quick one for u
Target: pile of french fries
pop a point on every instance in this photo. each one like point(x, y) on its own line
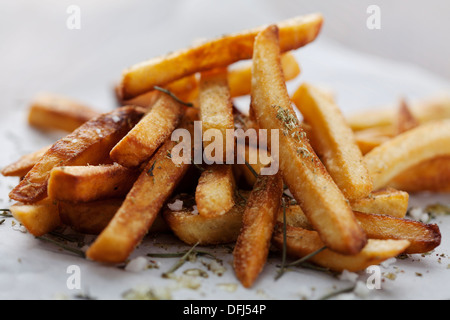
point(341, 191)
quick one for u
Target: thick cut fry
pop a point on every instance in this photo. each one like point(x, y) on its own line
point(430, 175)
point(303, 173)
point(89, 144)
point(240, 79)
point(301, 242)
point(335, 142)
point(140, 78)
point(389, 201)
point(21, 167)
point(216, 110)
point(371, 138)
point(141, 206)
point(191, 227)
point(405, 119)
point(39, 218)
point(260, 214)
point(92, 217)
point(89, 183)
point(50, 111)
point(154, 128)
point(214, 194)
point(425, 142)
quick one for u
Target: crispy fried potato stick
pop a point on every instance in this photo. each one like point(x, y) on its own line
point(389, 201)
point(425, 142)
point(301, 242)
point(260, 214)
point(405, 118)
point(216, 110)
point(430, 175)
point(21, 167)
point(38, 218)
point(221, 52)
point(90, 143)
point(335, 142)
point(89, 183)
point(191, 227)
point(153, 129)
point(142, 204)
point(214, 194)
point(49, 112)
point(371, 138)
point(240, 79)
point(303, 173)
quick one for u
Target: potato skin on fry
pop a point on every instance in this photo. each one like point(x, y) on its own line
point(260, 214)
point(90, 143)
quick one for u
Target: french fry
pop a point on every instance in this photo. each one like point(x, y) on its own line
point(142, 77)
point(50, 112)
point(153, 129)
point(405, 119)
point(430, 175)
point(251, 152)
point(240, 79)
point(216, 110)
point(303, 173)
point(89, 183)
point(301, 242)
point(38, 218)
point(142, 204)
point(371, 138)
point(191, 227)
point(258, 221)
point(389, 201)
point(425, 142)
point(92, 217)
point(335, 142)
point(89, 143)
point(21, 167)
point(214, 194)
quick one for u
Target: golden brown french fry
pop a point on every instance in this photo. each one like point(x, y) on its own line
point(90, 143)
point(21, 167)
point(301, 242)
point(303, 173)
point(430, 175)
point(216, 110)
point(389, 201)
point(371, 138)
point(140, 78)
point(142, 204)
point(240, 79)
point(50, 111)
point(422, 237)
point(38, 218)
point(191, 227)
point(258, 221)
point(251, 152)
point(92, 217)
point(89, 183)
point(153, 129)
point(425, 142)
point(405, 118)
point(214, 194)
point(335, 142)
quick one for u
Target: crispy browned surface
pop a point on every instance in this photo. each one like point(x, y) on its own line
point(301, 242)
point(89, 144)
point(89, 183)
point(422, 237)
point(260, 214)
point(38, 218)
point(429, 175)
point(141, 206)
point(221, 52)
point(303, 173)
point(216, 110)
point(405, 118)
point(50, 111)
point(153, 129)
point(191, 227)
point(334, 141)
point(21, 167)
point(389, 201)
point(214, 194)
